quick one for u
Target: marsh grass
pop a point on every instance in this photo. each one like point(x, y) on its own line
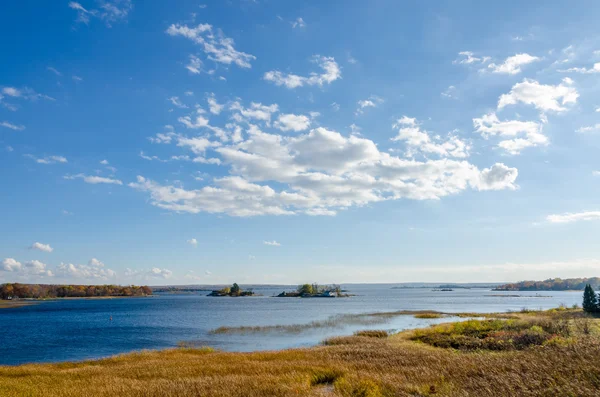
point(356, 366)
point(331, 322)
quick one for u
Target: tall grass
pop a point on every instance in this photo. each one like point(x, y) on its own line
point(362, 366)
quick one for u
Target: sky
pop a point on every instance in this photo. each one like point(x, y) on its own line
point(273, 142)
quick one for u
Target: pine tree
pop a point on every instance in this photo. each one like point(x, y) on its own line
point(590, 301)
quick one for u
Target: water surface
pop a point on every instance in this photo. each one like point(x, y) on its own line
point(67, 330)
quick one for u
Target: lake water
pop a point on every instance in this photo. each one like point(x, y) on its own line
point(68, 330)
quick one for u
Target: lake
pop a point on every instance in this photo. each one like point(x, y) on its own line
point(78, 329)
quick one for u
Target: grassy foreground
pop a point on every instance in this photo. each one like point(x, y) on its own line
point(554, 353)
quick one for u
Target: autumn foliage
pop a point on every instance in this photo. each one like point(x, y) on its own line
point(39, 291)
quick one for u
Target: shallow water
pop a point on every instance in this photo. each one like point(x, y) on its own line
point(68, 330)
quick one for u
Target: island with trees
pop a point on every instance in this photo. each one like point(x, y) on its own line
point(315, 291)
point(234, 291)
point(13, 291)
point(552, 284)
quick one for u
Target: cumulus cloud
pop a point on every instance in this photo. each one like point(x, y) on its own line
point(418, 140)
point(215, 45)
point(192, 241)
point(94, 270)
point(213, 105)
point(512, 65)
point(41, 247)
point(331, 73)
point(570, 217)
point(292, 122)
point(26, 269)
point(160, 273)
point(372, 102)
point(94, 179)
point(320, 172)
point(522, 134)
point(541, 96)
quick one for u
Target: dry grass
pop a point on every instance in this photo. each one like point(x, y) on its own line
point(361, 366)
point(429, 315)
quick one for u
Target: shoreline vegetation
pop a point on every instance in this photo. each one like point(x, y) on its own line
point(315, 291)
point(233, 291)
point(552, 284)
point(13, 295)
point(525, 353)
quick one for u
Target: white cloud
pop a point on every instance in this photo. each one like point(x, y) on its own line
point(109, 11)
point(272, 243)
point(94, 179)
point(77, 78)
point(468, 58)
point(512, 65)
point(542, 97)
point(592, 70)
point(321, 172)
point(41, 247)
point(11, 126)
point(192, 241)
point(177, 102)
point(418, 140)
point(489, 125)
point(215, 45)
point(27, 269)
point(335, 106)
point(53, 70)
point(195, 65)
point(372, 102)
point(292, 122)
point(156, 272)
point(298, 23)
point(256, 111)
point(104, 162)
point(569, 217)
point(11, 265)
point(596, 173)
point(94, 270)
point(49, 159)
point(590, 128)
point(194, 123)
point(331, 72)
point(213, 105)
point(450, 93)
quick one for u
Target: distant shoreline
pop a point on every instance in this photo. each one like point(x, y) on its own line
point(16, 303)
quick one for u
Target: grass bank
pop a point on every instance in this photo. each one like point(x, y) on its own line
point(563, 362)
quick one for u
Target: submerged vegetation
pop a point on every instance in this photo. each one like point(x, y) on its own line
point(42, 291)
point(366, 364)
point(234, 290)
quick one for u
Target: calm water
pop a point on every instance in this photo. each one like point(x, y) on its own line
point(81, 329)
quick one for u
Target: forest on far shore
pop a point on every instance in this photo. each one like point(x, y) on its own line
point(552, 284)
point(40, 291)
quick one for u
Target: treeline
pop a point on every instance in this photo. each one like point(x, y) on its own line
point(552, 284)
point(15, 291)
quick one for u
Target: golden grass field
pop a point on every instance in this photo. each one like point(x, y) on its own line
point(366, 364)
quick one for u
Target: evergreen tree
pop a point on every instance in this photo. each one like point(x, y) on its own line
point(590, 301)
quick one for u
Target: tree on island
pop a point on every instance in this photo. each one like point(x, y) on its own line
point(235, 289)
point(590, 300)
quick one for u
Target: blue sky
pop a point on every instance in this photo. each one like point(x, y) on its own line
point(286, 142)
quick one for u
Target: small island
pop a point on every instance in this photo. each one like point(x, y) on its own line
point(234, 290)
point(315, 291)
